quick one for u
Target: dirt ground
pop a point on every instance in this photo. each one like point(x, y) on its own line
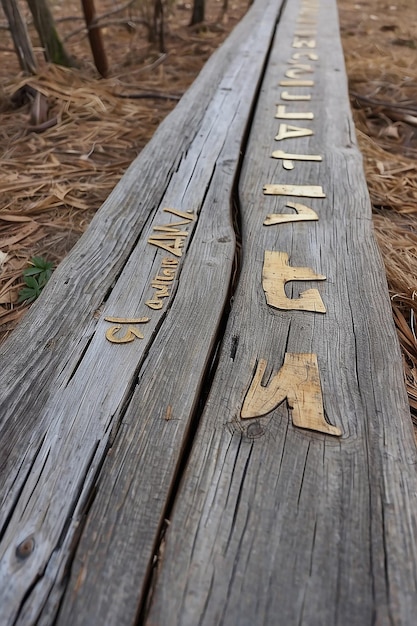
point(53, 180)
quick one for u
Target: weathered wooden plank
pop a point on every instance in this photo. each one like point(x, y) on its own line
point(56, 439)
point(274, 523)
point(51, 339)
point(53, 336)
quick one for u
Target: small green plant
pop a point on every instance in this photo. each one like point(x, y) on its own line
point(35, 279)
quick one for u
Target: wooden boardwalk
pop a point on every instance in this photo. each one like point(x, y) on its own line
point(203, 419)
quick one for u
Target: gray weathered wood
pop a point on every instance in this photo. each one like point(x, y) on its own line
point(273, 524)
point(67, 391)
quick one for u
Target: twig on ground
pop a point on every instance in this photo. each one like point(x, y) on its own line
point(150, 94)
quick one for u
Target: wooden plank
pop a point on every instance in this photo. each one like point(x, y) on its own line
point(53, 336)
point(156, 263)
point(274, 523)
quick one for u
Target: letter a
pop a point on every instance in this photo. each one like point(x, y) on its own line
point(298, 381)
point(286, 131)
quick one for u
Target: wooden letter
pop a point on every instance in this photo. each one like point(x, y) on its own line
point(312, 56)
point(303, 191)
point(189, 216)
point(170, 229)
point(298, 381)
point(310, 22)
point(155, 303)
point(286, 131)
point(303, 214)
point(130, 333)
point(172, 239)
point(296, 83)
point(298, 70)
point(287, 96)
point(282, 114)
point(161, 282)
point(168, 262)
point(311, 32)
point(300, 42)
point(163, 242)
point(287, 159)
point(277, 272)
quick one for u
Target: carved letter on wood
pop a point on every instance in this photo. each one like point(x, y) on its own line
point(287, 131)
point(303, 214)
point(282, 114)
point(130, 332)
point(303, 191)
point(298, 381)
point(310, 55)
point(299, 70)
point(287, 96)
point(172, 237)
point(296, 83)
point(287, 159)
point(277, 272)
point(300, 42)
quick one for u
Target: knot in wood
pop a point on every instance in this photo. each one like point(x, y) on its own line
point(255, 430)
point(25, 549)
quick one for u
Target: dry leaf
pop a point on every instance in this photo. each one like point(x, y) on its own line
point(3, 258)
point(391, 132)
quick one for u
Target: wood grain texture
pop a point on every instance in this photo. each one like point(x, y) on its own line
point(274, 524)
point(67, 391)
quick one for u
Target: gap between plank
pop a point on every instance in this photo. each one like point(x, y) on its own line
point(152, 570)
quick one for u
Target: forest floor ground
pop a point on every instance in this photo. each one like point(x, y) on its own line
point(53, 180)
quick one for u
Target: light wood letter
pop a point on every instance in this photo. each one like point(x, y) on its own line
point(277, 272)
point(303, 191)
point(298, 381)
point(303, 214)
point(286, 131)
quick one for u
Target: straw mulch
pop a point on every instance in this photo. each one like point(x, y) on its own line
point(53, 179)
point(51, 182)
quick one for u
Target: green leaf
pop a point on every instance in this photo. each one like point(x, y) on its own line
point(26, 294)
point(32, 271)
point(43, 278)
point(41, 263)
point(35, 279)
point(31, 282)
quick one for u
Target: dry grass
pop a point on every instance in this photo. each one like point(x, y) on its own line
point(51, 182)
point(53, 179)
